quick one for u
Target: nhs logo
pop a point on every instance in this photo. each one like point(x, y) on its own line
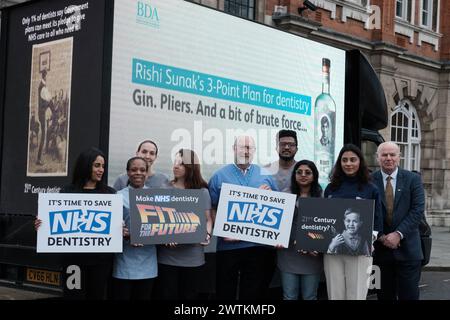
point(250, 212)
point(163, 198)
point(77, 221)
point(147, 14)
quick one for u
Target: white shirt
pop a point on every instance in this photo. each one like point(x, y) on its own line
point(393, 180)
point(394, 185)
point(45, 94)
point(244, 171)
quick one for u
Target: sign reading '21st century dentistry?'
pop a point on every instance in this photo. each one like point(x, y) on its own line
point(254, 215)
point(200, 77)
point(80, 223)
point(335, 226)
point(167, 215)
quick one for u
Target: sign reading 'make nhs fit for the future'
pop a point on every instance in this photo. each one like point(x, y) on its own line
point(254, 215)
point(168, 215)
point(80, 223)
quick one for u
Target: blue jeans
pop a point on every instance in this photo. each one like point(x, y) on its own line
point(292, 282)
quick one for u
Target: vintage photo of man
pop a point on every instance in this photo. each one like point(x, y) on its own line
point(49, 115)
point(325, 129)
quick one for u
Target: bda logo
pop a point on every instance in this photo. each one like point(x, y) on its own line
point(75, 221)
point(147, 14)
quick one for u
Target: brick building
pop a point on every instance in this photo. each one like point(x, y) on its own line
point(408, 44)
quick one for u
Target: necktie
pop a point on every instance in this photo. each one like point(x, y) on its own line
point(389, 193)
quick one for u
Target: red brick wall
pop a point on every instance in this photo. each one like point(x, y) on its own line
point(386, 33)
point(445, 30)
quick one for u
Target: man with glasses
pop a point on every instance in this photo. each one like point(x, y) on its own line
point(242, 265)
point(281, 169)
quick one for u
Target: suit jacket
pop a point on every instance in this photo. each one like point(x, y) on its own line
point(409, 206)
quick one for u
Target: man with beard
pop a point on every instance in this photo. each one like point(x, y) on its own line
point(242, 265)
point(281, 170)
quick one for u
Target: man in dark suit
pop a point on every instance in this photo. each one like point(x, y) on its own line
point(398, 252)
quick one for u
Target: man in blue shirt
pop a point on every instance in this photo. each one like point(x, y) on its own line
point(240, 264)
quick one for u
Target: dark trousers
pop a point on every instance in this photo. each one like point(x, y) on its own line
point(94, 282)
point(41, 116)
point(399, 280)
point(132, 289)
point(244, 274)
point(178, 282)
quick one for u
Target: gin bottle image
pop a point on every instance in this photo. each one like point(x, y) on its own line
point(324, 127)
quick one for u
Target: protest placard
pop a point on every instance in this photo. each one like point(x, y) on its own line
point(335, 226)
point(167, 216)
point(255, 215)
point(79, 222)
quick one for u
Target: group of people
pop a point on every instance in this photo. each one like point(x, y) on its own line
point(399, 207)
point(244, 270)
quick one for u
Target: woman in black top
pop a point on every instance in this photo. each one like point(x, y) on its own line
point(88, 177)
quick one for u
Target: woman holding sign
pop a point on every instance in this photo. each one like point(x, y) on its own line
point(135, 268)
point(95, 268)
point(180, 264)
point(347, 275)
point(301, 269)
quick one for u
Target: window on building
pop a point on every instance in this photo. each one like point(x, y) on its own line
point(405, 131)
point(241, 8)
point(429, 11)
point(403, 9)
point(362, 3)
point(426, 13)
point(369, 150)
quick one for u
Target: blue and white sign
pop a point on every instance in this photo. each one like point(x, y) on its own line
point(80, 223)
point(255, 215)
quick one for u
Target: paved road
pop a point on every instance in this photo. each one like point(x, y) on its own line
point(435, 285)
point(7, 293)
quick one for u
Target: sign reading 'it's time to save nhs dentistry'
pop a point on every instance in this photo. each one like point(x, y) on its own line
point(80, 222)
point(255, 215)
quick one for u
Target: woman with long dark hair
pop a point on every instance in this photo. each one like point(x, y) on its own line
point(88, 177)
point(88, 174)
point(347, 275)
point(301, 269)
point(180, 264)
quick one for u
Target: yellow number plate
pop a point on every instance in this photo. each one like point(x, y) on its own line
point(43, 276)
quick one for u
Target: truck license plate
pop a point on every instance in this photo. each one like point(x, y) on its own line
point(43, 276)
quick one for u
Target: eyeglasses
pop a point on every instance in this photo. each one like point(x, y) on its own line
point(287, 144)
point(244, 148)
point(306, 172)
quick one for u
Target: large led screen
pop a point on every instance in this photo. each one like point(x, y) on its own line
point(187, 76)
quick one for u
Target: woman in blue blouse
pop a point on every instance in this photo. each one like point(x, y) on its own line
point(347, 275)
point(135, 268)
